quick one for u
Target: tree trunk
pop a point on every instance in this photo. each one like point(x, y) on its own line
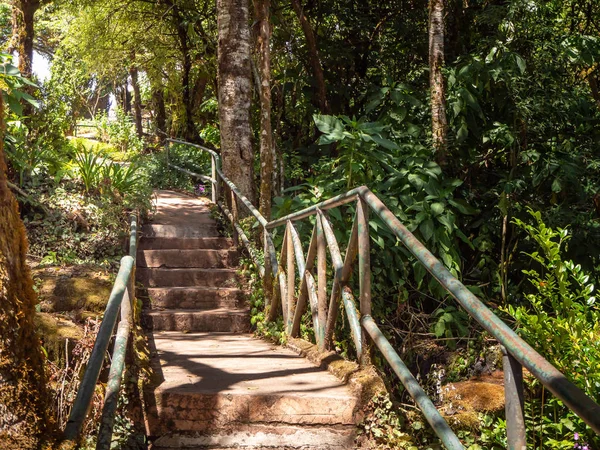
point(190, 132)
point(160, 115)
point(313, 57)
point(23, 408)
point(593, 82)
point(137, 101)
point(23, 13)
point(262, 11)
point(439, 123)
point(23, 31)
point(235, 90)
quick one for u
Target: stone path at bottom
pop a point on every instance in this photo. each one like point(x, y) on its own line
point(215, 385)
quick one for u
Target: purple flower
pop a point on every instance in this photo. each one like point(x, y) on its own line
point(585, 447)
point(576, 436)
point(200, 189)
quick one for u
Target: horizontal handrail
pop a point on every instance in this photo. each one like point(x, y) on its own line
point(518, 351)
point(122, 288)
point(435, 419)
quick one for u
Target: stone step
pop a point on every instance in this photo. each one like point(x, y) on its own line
point(150, 277)
point(196, 297)
point(179, 231)
point(221, 381)
point(214, 320)
point(261, 436)
point(171, 258)
point(196, 215)
point(206, 243)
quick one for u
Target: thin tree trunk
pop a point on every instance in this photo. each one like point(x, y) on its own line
point(190, 132)
point(439, 123)
point(22, 17)
point(313, 56)
point(137, 101)
point(262, 11)
point(160, 115)
point(593, 82)
point(235, 90)
point(23, 408)
point(23, 28)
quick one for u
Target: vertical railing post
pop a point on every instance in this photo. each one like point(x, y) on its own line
point(215, 186)
point(234, 212)
point(514, 402)
point(268, 277)
point(321, 284)
point(364, 271)
point(291, 279)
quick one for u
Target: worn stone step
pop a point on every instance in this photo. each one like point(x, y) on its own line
point(206, 243)
point(193, 214)
point(179, 231)
point(220, 381)
point(196, 297)
point(263, 436)
point(200, 258)
point(214, 320)
point(150, 277)
point(176, 208)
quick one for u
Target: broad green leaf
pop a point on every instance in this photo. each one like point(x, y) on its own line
point(426, 228)
point(437, 208)
point(385, 143)
point(520, 63)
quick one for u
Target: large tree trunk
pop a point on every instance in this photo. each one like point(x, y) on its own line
point(313, 57)
point(137, 101)
point(235, 90)
point(263, 39)
point(23, 409)
point(439, 123)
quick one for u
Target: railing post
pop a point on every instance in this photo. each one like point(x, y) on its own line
point(291, 280)
point(215, 186)
point(364, 271)
point(321, 283)
point(514, 402)
point(234, 213)
point(268, 277)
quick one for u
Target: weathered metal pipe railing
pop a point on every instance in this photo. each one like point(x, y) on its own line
point(121, 298)
point(312, 293)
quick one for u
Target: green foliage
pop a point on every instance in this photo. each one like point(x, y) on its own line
point(559, 318)
point(77, 228)
point(120, 132)
point(450, 322)
point(384, 426)
point(360, 160)
point(90, 166)
point(124, 178)
point(273, 331)
point(13, 85)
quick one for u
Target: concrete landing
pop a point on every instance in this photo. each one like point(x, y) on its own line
point(216, 386)
point(212, 381)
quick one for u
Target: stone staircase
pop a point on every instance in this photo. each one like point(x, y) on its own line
point(215, 385)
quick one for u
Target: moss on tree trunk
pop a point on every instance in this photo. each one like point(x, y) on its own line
point(23, 413)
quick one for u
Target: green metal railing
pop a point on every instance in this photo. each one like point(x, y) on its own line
point(121, 298)
point(282, 291)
